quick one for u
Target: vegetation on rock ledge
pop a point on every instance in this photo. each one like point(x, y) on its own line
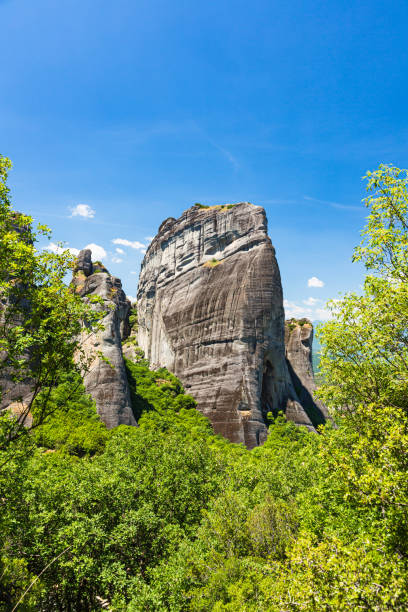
point(214, 206)
point(292, 323)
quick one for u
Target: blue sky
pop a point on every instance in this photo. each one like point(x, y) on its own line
point(137, 109)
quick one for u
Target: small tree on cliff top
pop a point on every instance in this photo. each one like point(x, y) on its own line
point(41, 319)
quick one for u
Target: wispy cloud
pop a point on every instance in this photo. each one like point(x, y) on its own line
point(333, 204)
point(279, 201)
point(138, 135)
point(311, 301)
point(299, 311)
point(129, 243)
point(227, 154)
point(322, 314)
point(296, 311)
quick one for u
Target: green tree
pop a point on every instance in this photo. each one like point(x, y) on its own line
point(365, 347)
point(365, 367)
point(42, 320)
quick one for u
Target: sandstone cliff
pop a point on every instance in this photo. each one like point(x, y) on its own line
point(106, 382)
point(210, 309)
point(298, 343)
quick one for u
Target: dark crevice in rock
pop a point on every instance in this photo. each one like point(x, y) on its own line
point(314, 413)
point(298, 342)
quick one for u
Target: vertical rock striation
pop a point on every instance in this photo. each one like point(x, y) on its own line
point(298, 343)
point(106, 382)
point(210, 309)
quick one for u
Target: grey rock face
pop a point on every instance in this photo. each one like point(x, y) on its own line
point(298, 343)
point(210, 309)
point(84, 263)
point(130, 348)
point(105, 382)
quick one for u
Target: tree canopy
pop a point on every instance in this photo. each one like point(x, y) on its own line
point(169, 516)
point(41, 319)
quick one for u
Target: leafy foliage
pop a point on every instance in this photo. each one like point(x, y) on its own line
point(169, 516)
point(73, 425)
point(41, 319)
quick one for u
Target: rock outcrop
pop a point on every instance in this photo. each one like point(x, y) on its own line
point(106, 381)
point(298, 343)
point(210, 309)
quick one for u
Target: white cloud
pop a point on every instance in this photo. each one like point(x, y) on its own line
point(143, 251)
point(120, 251)
point(149, 238)
point(299, 311)
point(116, 259)
point(131, 298)
point(311, 301)
point(296, 311)
point(133, 245)
point(55, 248)
point(315, 282)
point(98, 252)
point(83, 210)
point(321, 314)
point(133, 272)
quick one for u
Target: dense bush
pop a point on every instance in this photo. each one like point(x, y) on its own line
point(168, 516)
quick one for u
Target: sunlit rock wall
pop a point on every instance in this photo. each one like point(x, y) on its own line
point(210, 309)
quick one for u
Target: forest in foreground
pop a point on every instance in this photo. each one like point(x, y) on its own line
point(168, 516)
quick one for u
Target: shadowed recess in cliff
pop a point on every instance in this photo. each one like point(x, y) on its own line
point(298, 342)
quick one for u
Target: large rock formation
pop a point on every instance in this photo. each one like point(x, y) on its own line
point(210, 309)
point(105, 381)
point(298, 343)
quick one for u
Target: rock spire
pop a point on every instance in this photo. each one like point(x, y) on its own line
point(298, 343)
point(106, 381)
point(210, 309)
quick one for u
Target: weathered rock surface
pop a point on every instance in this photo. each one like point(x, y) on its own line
point(106, 382)
point(298, 343)
point(210, 309)
point(130, 347)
